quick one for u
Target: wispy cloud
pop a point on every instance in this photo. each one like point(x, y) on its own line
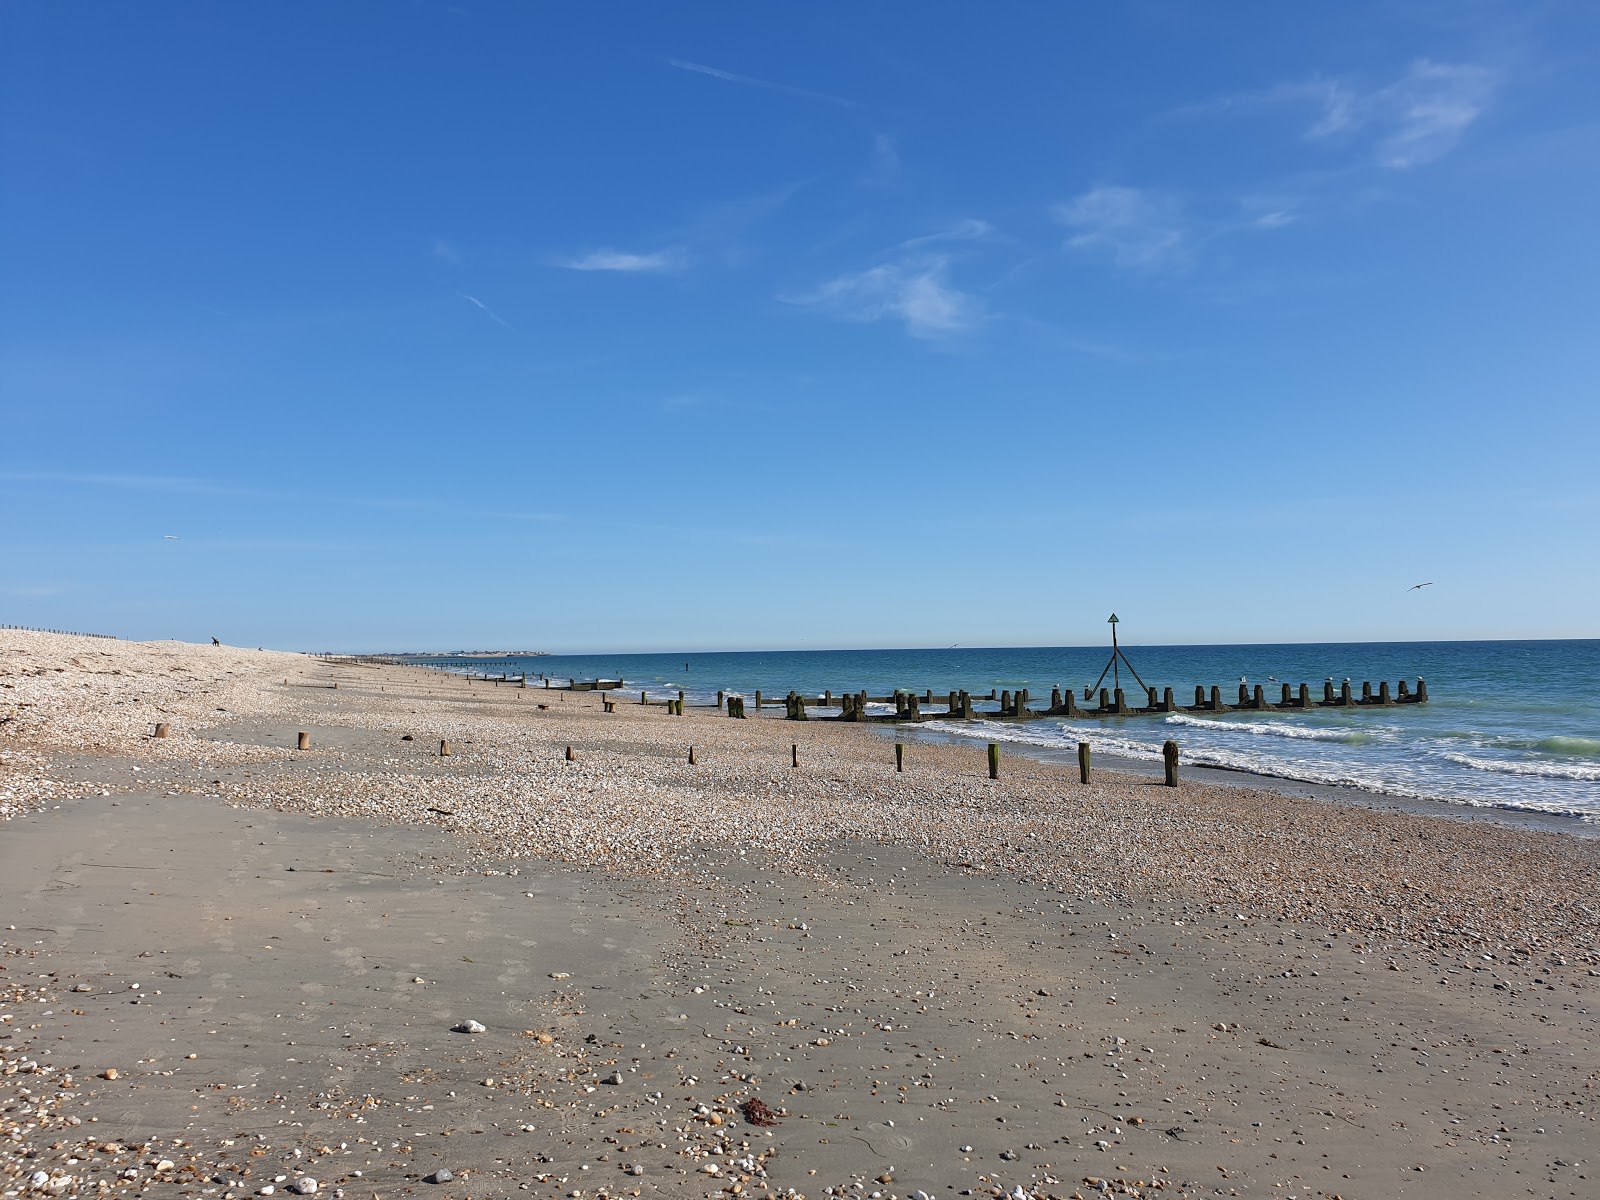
point(915, 291)
point(885, 167)
point(1415, 119)
point(671, 259)
point(486, 310)
point(969, 229)
point(751, 81)
point(445, 252)
point(1137, 228)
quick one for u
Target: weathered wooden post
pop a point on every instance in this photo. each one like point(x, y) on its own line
point(899, 756)
point(162, 731)
point(758, 701)
point(1199, 696)
point(953, 702)
point(304, 741)
point(1150, 697)
point(1383, 692)
point(1344, 693)
point(913, 707)
point(1167, 702)
point(899, 704)
point(1402, 690)
point(1366, 691)
point(1169, 755)
point(1259, 699)
point(1244, 693)
point(1083, 762)
point(1119, 702)
point(1021, 699)
point(719, 701)
point(444, 748)
point(1286, 701)
point(1105, 700)
point(691, 756)
point(966, 705)
point(827, 698)
point(1216, 699)
point(1327, 692)
point(680, 702)
point(571, 757)
point(794, 754)
point(1005, 704)
point(1422, 690)
point(1305, 696)
point(994, 760)
point(1055, 698)
point(1069, 705)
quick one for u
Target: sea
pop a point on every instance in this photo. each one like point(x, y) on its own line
point(1512, 726)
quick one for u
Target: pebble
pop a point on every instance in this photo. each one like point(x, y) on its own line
point(82, 987)
point(442, 1175)
point(110, 1073)
point(614, 1078)
point(303, 1187)
point(469, 1027)
point(634, 1169)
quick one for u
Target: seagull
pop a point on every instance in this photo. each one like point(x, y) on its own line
point(171, 537)
point(1415, 586)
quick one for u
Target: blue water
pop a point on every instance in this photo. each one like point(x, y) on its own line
point(1509, 725)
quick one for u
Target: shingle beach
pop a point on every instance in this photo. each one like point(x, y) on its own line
point(236, 968)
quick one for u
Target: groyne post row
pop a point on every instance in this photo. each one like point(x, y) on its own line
point(111, 637)
point(1113, 702)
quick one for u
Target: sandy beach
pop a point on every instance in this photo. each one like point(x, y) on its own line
point(231, 966)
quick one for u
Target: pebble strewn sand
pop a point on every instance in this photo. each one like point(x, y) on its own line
point(1419, 896)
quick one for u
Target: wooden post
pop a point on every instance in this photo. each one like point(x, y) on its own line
point(827, 698)
point(1083, 762)
point(1402, 690)
point(1260, 698)
point(794, 754)
point(1167, 702)
point(304, 742)
point(1005, 704)
point(913, 707)
point(994, 760)
point(161, 730)
point(1119, 703)
point(571, 757)
point(1151, 701)
point(644, 698)
point(1216, 699)
point(1305, 696)
point(691, 756)
point(1344, 693)
point(1422, 690)
point(1383, 692)
point(1199, 696)
point(444, 749)
point(1285, 701)
point(1105, 700)
point(899, 756)
point(719, 701)
point(1366, 691)
point(1244, 693)
point(1169, 753)
point(1327, 692)
point(758, 701)
point(1055, 698)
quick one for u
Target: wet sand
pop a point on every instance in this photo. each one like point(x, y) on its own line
point(934, 981)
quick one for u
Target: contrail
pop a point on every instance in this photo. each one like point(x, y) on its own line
point(750, 81)
point(492, 315)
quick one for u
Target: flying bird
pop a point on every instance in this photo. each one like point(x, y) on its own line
point(171, 537)
point(1415, 586)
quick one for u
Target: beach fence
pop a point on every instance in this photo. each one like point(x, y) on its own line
point(63, 632)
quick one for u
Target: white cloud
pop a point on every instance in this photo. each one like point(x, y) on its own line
point(970, 229)
point(617, 260)
point(1139, 229)
point(885, 162)
point(914, 291)
point(1418, 118)
point(1428, 110)
point(446, 253)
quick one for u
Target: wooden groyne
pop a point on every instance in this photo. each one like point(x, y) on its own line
point(1113, 702)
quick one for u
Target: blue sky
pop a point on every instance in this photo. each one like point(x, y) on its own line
point(643, 326)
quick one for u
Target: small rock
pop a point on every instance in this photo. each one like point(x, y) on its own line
point(560, 974)
point(166, 1164)
point(634, 1169)
point(39, 1179)
point(82, 987)
point(110, 1073)
point(614, 1078)
point(469, 1027)
point(418, 980)
point(442, 1175)
point(919, 1194)
point(1009, 1155)
point(303, 1187)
